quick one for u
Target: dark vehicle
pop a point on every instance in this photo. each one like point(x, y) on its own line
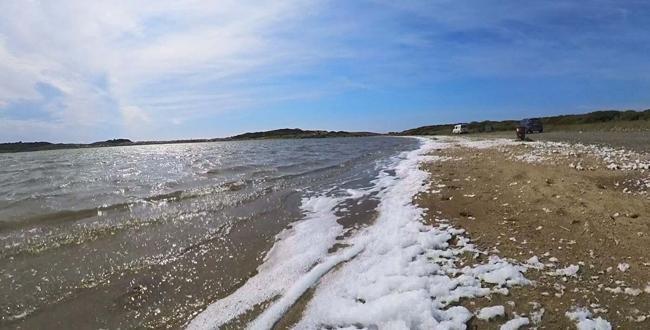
point(533, 125)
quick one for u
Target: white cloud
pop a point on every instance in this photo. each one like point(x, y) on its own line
point(134, 118)
point(142, 59)
point(19, 77)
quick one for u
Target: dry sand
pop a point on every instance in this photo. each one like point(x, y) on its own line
point(588, 217)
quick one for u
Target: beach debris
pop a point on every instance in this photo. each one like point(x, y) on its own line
point(489, 313)
point(536, 315)
point(623, 266)
point(534, 262)
point(632, 292)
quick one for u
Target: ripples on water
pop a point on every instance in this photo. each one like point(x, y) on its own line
point(149, 235)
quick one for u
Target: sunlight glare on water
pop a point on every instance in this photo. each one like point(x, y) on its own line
point(149, 235)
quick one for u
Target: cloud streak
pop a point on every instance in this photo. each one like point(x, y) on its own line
point(112, 59)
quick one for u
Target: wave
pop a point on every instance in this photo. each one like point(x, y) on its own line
point(93, 226)
point(56, 217)
point(237, 169)
point(62, 216)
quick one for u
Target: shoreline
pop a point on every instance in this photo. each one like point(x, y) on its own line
point(281, 134)
point(457, 229)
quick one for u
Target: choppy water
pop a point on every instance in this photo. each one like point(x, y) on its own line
point(148, 236)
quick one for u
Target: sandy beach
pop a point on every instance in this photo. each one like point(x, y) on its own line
point(575, 216)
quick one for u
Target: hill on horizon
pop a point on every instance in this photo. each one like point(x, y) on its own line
point(297, 133)
point(597, 120)
point(283, 133)
point(606, 119)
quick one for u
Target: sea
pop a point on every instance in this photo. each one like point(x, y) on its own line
point(204, 235)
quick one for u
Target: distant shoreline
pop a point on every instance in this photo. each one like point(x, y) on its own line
point(611, 120)
point(286, 133)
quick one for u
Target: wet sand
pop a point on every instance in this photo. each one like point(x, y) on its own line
point(588, 217)
point(166, 293)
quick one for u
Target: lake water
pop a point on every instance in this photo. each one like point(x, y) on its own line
point(149, 236)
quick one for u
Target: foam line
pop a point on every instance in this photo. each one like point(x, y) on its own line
point(273, 314)
point(296, 250)
point(287, 269)
point(407, 276)
point(398, 273)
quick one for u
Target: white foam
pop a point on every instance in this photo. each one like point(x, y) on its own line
point(270, 316)
point(571, 270)
point(534, 262)
point(515, 323)
point(488, 313)
point(296, 261)
point(500, 272)
point(406, 276)
point(584, 320)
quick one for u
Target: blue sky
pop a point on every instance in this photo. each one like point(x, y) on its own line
point(81, 71)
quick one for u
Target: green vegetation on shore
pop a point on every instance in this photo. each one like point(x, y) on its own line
point(600, 120)
point(296, 133)
point(36, 146)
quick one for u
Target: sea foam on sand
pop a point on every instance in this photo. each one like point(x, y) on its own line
point(487, 313)
point(585, 321)
point(397, 273)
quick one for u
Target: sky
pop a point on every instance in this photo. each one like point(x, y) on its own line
point(83, 71)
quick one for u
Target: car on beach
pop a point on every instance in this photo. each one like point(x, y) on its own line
point(532, 125)
point(460, 129)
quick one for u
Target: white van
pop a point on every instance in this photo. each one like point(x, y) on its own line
point(460, 129)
